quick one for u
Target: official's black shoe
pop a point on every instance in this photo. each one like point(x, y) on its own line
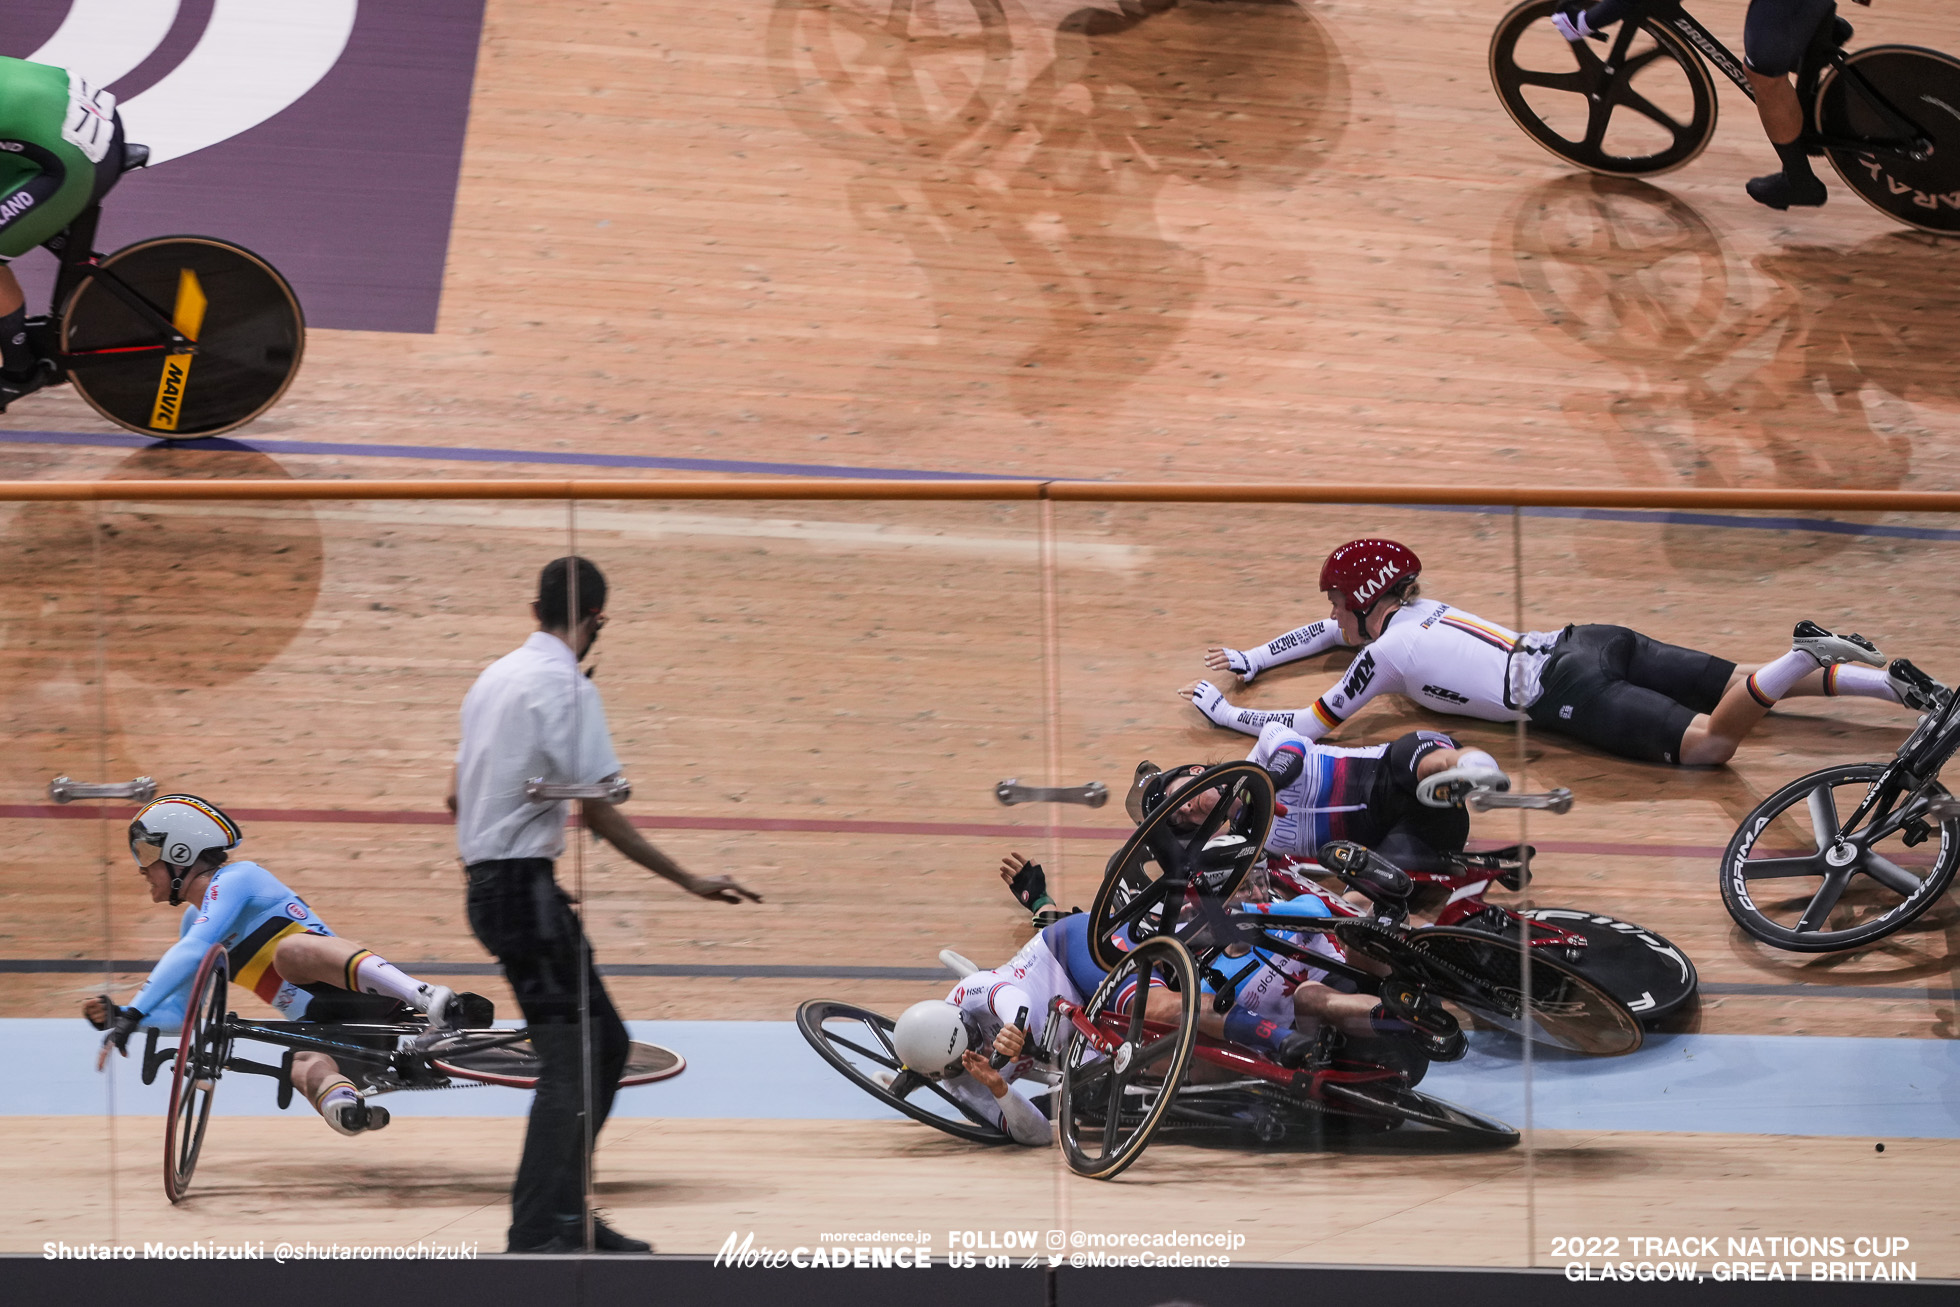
point(1779, 190)
point(569, 1238)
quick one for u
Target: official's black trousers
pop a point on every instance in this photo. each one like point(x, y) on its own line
point(522, 917)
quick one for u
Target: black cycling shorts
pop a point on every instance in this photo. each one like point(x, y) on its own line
point(1620, 691)
point(1397, 825)
point(1777, 32)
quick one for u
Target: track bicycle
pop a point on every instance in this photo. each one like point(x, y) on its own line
point(1887, 116)
point(176, 337)
point(383, 1047)
point(1864, 875)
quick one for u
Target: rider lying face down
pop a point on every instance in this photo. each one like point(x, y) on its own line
point(278, 948)
point(1607, 686)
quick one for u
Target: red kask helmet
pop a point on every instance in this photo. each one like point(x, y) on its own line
point(1364, 571)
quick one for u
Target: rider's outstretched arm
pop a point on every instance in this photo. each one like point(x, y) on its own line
point(1301, 642)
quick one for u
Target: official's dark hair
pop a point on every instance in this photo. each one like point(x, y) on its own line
point(555, 591)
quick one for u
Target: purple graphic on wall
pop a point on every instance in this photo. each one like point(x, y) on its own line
point(348, 189)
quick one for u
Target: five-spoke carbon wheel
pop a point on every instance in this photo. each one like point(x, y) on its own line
point(1642, 103)
point(1792, 880)
point(1202, 839)
point(202, 1048)
point(858, 1042)
point(1117, 1090)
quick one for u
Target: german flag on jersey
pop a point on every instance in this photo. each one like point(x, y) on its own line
point(251, 957)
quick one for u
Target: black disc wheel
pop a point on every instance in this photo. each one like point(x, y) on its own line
point(858, 1043)
point(245, 324)
point(1793, 880)
point(1118, 1087)
point(1640, 104)
point(1485, 974)
point(1391, 1100)
point(1200, 841)
point(1920, 94)
point(1635, 965)
point(202, 1049)
point(506, 1057)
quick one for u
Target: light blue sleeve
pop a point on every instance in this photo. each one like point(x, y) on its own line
point(231, 892)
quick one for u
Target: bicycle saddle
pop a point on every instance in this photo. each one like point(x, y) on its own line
point(135, 156)
point(1366, 870)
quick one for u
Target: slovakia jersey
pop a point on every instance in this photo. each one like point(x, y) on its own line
point(246, 909)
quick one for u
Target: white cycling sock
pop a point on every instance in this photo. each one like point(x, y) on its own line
point(371, 974)
point(1773, 680)
point(1860, 682)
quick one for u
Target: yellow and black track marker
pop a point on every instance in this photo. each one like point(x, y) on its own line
point(188, 319)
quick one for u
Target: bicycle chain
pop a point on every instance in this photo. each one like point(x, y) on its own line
point(1400, 953)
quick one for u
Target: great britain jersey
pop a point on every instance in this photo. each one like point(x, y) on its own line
point(248, 910)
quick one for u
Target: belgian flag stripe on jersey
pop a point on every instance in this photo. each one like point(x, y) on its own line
point(251, 957)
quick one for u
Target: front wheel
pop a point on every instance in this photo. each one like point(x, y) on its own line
point(857, 1043)
point(1117, 1089)
point(1642, 104)
point(1792, 881)
point(242, 316)
point(1923, 85)
point(202, 1049)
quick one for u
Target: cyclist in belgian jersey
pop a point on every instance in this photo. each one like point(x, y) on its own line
point(1611, 687)
point(61, 149)
point(1775, 34)
point(277, 945)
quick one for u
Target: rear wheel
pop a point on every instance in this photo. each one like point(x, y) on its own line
point(1565, 1009)
point(491, 1057)
point(245, 321)
point(1118, 1089)
point(1635, 965)
point(858, 1043)
point(202, 1049)
point(1922, 84)
point(1634, 107)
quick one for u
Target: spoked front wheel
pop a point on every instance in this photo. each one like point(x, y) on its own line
point(1792, 881)
point(1198, 842)
point(1640, 104)
point(858, 1043)
point(1117, 1089)
point(242, 318)
point(1923, 85)
point(201, 1052)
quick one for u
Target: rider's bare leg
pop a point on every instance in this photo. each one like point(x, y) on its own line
point(333, 960)
point(11, 297)
point(1776, 105)
point(1353, 1013)
point(1782, 115)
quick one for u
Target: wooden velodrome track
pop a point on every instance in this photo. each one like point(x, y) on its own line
point(1217, 242)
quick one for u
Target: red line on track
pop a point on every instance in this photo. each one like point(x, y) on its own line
point(841, 826)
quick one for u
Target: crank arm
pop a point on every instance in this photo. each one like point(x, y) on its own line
point(1559, 800)
point(1092, 795)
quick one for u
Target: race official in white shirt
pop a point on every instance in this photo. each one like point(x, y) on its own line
point(530, 715)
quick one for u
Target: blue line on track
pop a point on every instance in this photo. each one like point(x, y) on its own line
point(455, 454)
point(762, 1070)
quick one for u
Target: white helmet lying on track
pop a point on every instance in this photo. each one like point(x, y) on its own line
point(930, 1038)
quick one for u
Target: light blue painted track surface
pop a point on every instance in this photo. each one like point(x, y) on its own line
point(762, 1070)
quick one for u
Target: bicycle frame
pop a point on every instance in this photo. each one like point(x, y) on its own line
point(1824, 50)
point(1913, 770)
point(80, 264)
